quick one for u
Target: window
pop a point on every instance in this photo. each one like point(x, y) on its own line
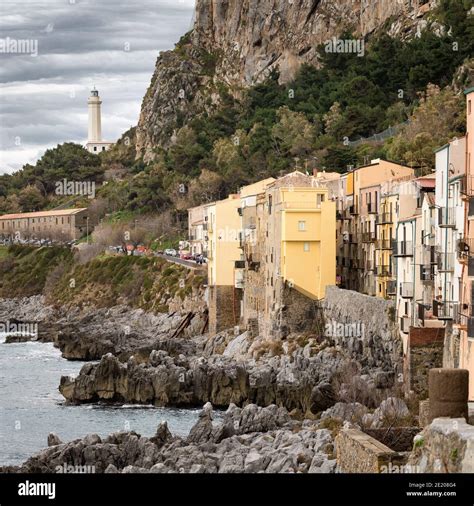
point(306, 247)
point(95, 148)
point(103, 148)
point(302, 226)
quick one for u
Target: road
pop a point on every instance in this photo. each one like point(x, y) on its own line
point(187, 263)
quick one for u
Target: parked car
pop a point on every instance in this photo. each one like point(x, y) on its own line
point(171, 252)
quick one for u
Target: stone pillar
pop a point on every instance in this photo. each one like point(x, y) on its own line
point(448, 391)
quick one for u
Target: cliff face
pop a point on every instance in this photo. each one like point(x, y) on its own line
point(238, 43)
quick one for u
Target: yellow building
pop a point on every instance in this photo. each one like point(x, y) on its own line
point(308, 240)
point(386, 227)
point(222, 225)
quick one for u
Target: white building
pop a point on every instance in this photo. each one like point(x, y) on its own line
point(95, 144)
point(450, 168)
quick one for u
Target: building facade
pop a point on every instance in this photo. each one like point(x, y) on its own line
point(60, 225)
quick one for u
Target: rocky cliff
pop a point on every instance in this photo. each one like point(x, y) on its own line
point(236, 43)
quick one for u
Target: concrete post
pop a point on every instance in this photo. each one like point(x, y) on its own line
point(448, 392)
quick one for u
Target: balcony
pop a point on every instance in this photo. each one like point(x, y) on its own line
point(446, 217)
point(372, 208)
point(446, 262)
point(429, 255)
point(427, 273)
point(383, 271)
point(406, 290)
point(405, 323)
point(384, 219)
point(403, 249)
point(368, 236)
point(353, 210)
point(391, 287)
point(353, 239)
point(467, 186)
point(384, 244)
point(445, 310)
point(470, 327)
point(465, 248)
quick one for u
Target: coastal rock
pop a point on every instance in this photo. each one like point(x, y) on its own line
point(257, 446)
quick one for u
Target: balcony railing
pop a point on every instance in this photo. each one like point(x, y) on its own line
point(353, 239)
point(470, 327)
point(427, 273)
point(429, 255)
point(372, 208)
point(383, 271)
point(383, 244)
point(446, 217)
point(405, 323)
point(391, 287)
point(384, 219)
point(467, 186)
point(445, 310)
point(368, 236)
point(465, 248)
point(445, 262)
point(403, 249)
point(406, 290)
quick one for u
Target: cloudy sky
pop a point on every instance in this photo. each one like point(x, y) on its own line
point(110, 44)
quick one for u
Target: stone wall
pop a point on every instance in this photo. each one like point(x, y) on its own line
point(224, 308)
point(425, 352)
point(445, 446)
point(378, 344)
point(357, 452)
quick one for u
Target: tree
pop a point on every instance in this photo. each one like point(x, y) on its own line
point(438, 119)
point(31, 199)
point(293, 133)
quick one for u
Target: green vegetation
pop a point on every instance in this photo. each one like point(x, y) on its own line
point(146, 282)
point(24, 270)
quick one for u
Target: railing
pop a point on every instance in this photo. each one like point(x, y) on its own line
point(391, 287)
point(372, 208)
point(405, 322)
point(428, 255)
point(403, 249)
point(445, 310)
point(383, 244)
point(465, 247)
point(427, 272)
point(384, 219)
point(383, 271)
point(446, 262)
point(353, 239)
point(406, 290)
point(467, 185)
point(368, 236)
point(446, 217)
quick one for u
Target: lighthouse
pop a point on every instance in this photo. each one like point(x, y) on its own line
point(95, 144)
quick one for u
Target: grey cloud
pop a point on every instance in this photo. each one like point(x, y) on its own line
point(43, 99)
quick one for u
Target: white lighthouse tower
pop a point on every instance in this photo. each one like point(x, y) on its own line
point(95, 144)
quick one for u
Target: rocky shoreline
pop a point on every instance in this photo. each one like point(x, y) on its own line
point(249, 440)
point(284, 403)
